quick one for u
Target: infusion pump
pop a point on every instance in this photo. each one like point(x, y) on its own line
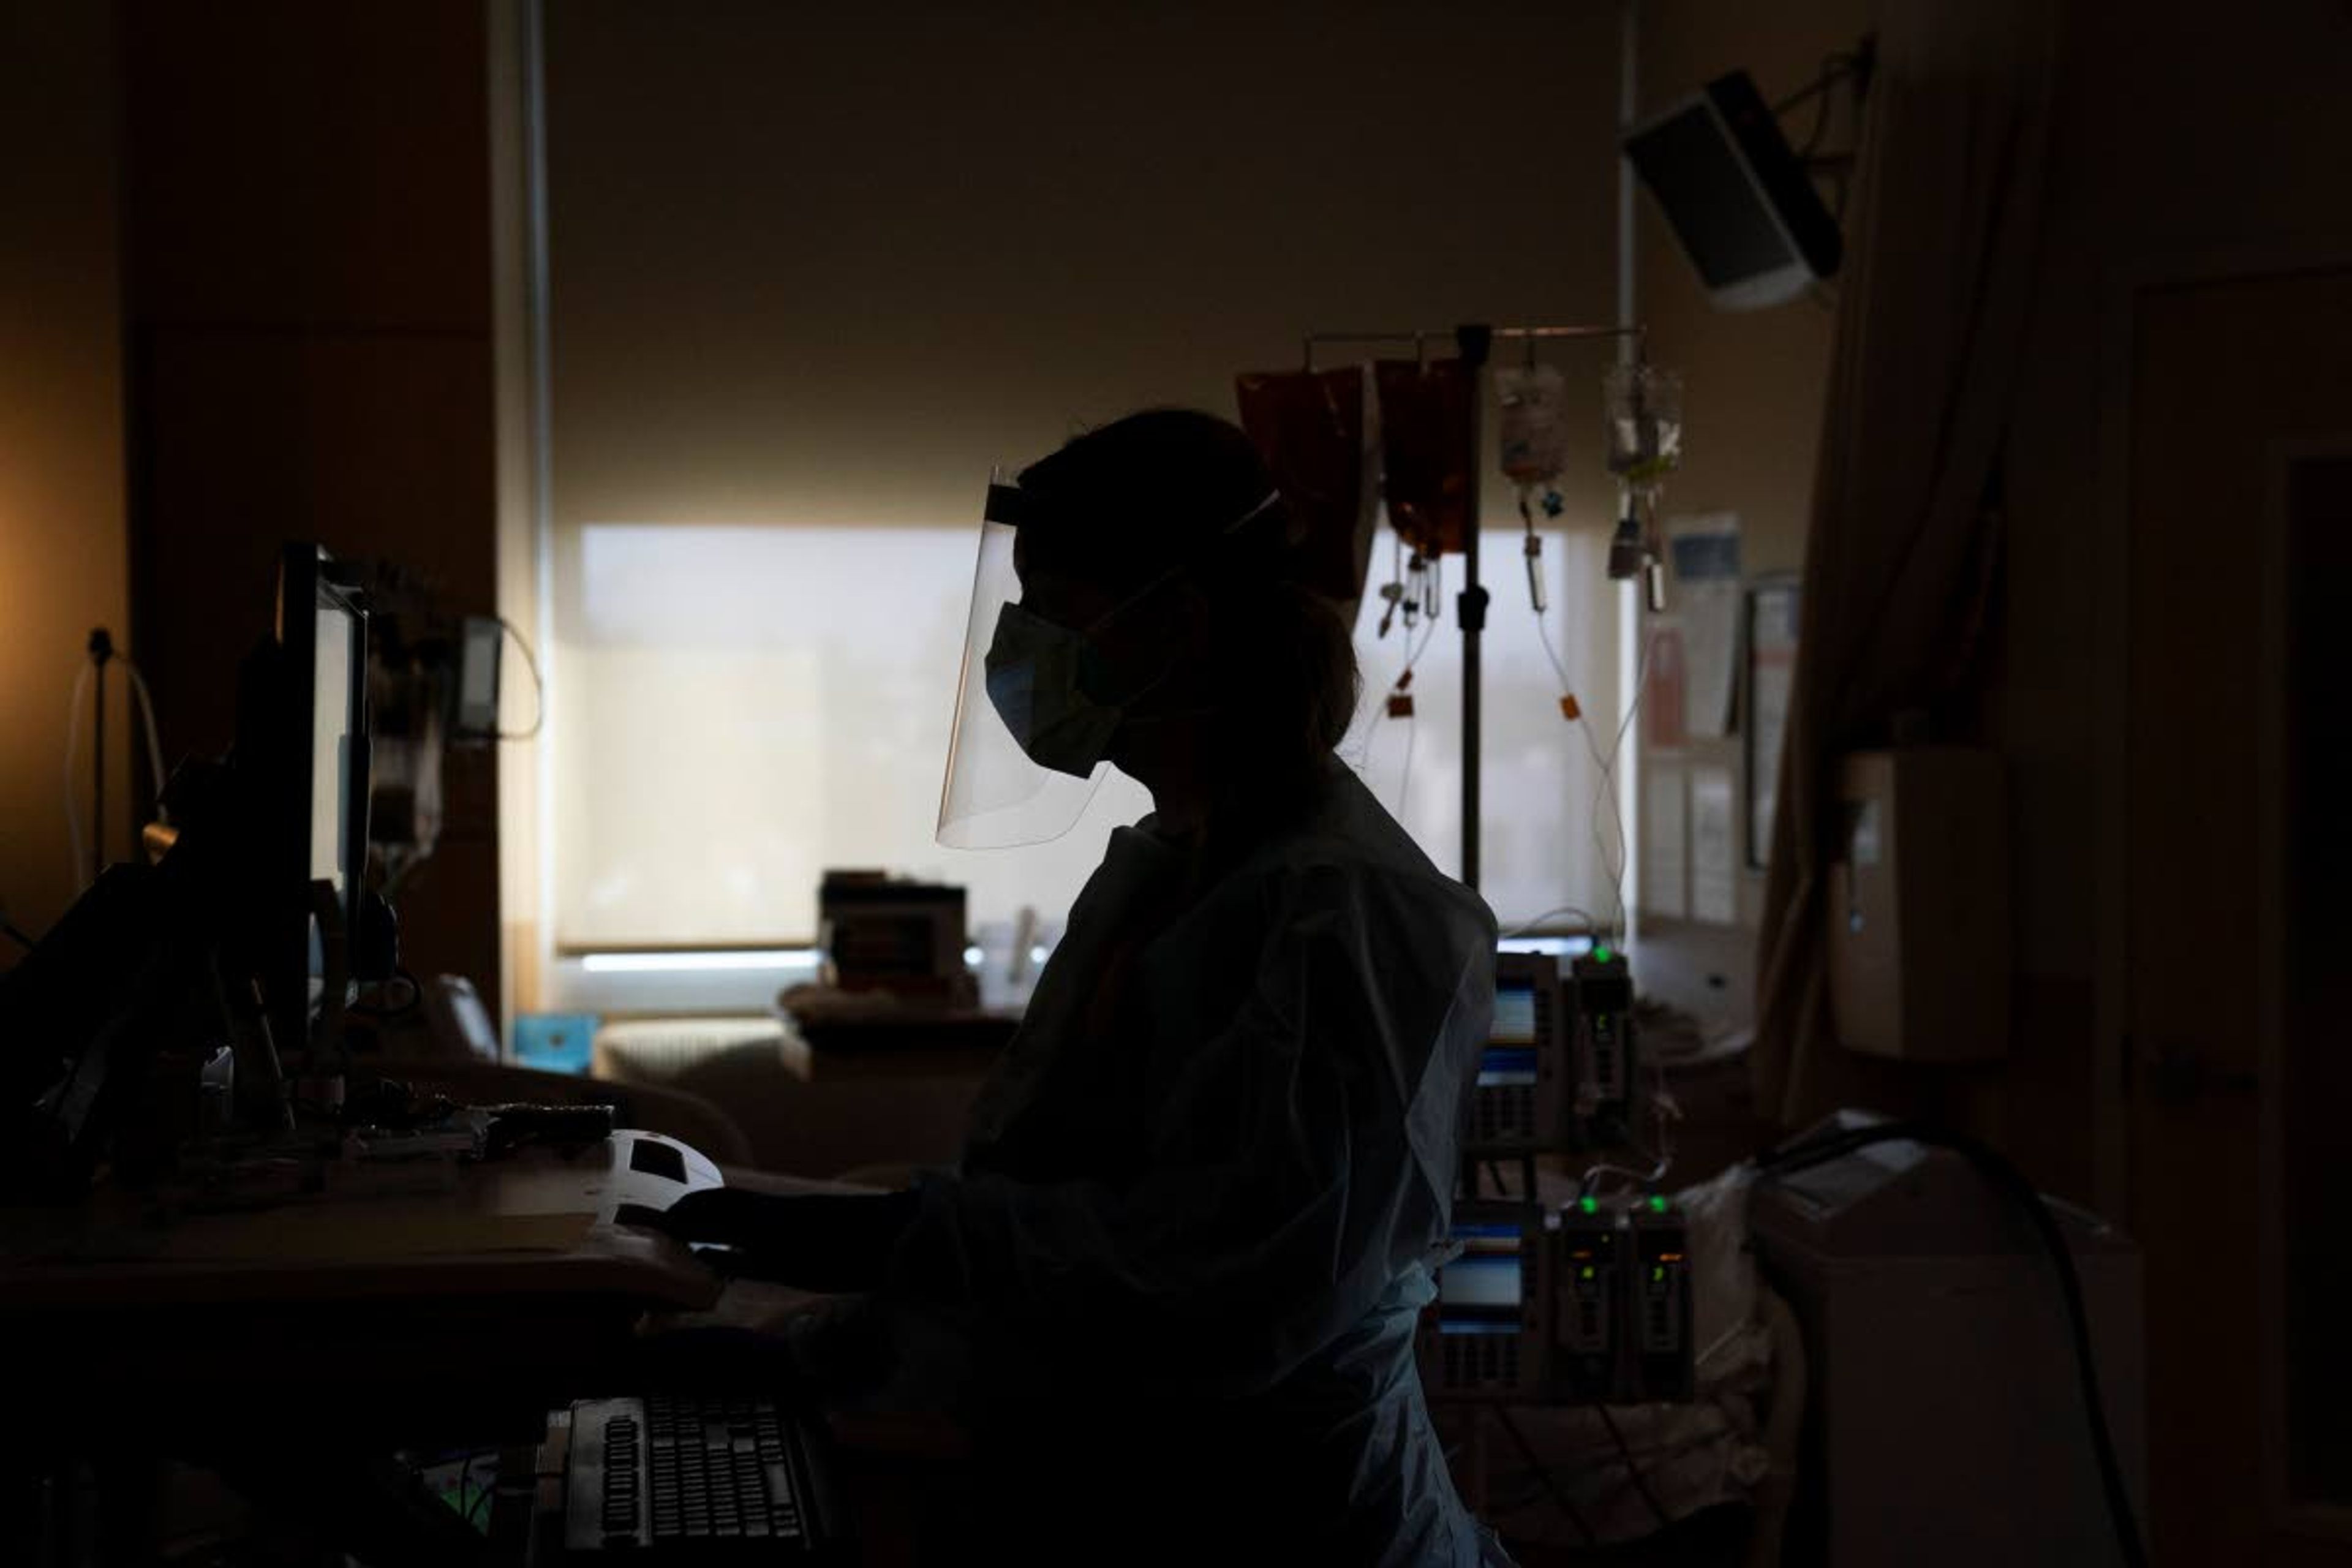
point(1586, 1304)
point(1558, 1070)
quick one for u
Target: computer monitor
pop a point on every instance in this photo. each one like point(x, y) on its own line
point(318, 757)
point(1738, 199)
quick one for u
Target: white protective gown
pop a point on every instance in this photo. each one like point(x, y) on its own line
point(1193, 1231)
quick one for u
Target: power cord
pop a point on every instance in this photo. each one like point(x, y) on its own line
point(1527, 927)
point(1634, 1471)
point(538, 685)
point(1413, 650)
point(1543, 1472)
point(2009, 1183)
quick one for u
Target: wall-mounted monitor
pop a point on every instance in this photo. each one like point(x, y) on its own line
point(1738, 197)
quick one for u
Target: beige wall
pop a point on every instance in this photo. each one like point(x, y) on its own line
point(827, 272)
point(2182, 140)
point(830, 271)
point(2199, 140)
point(307, 208)
point(61, 487)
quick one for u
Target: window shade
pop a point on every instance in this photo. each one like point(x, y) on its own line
point(812, 274)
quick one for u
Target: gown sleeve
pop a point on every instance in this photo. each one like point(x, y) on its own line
point(1299, 1160)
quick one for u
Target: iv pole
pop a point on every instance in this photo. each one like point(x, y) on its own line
point(1474, 342)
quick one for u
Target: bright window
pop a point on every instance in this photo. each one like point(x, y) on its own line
point(740, 708)
point(808, 274)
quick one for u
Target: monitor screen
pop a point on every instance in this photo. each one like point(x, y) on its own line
point(1503, 1067)
point(1515, 1012)
point(323, 730)
point(1482, 1290)
point(330, 750)
point(1482, 1282)
point(1720, 216)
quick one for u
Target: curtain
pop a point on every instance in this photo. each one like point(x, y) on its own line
point(1931, 323)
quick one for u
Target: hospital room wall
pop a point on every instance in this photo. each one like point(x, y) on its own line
point(62, 550)
point(306, 268)
point(831, 271)
point(2231, 159)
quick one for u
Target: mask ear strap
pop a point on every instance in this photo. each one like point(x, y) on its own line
point(1254, 513)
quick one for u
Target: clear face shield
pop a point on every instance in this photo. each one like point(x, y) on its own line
point(1035, 709)
point(995, 796)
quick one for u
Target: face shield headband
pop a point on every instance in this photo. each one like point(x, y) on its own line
point(1034, 720)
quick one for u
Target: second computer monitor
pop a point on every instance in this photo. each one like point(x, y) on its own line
point(318, 757)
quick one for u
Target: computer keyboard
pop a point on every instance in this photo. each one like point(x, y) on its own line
point(693, 1479)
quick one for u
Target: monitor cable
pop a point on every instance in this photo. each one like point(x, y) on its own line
point(2011, 1184)
point(89, 850)
point(1529, 927)
point(538, 685)
point(1632, 1470)
point(1551, 1482)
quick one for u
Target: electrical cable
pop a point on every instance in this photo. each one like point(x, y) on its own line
point(1612, 862)
point(1831, 74)
point(1625, 1452)
point(2008, 1182)
point(1835, 68)
point(538, 686)
point(483, 1493)
point(1615, 865)
point(1526, 926)
point(154, 736)
point(81, 842)
point(1543, 1471)
point(1405, 778)
point(1587, 1184)
point(1412, 658)
point(73, 809)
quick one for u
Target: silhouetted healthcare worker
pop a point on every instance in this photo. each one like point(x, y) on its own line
point(1184, 1256)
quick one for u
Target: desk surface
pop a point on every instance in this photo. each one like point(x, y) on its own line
point(525, 1225)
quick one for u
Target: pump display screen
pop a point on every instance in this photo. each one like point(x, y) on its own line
point(1515, 1013)
point(1501, 1069)
point(1482, 1282)
point(1481, 1291)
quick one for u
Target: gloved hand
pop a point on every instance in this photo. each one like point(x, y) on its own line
point(817, 1241)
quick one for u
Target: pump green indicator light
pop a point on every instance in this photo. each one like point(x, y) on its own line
point(1657, 1274)
point(1590, 1205)
point(1657, 1203)
point(1600, 954)
point(1585, 1273)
